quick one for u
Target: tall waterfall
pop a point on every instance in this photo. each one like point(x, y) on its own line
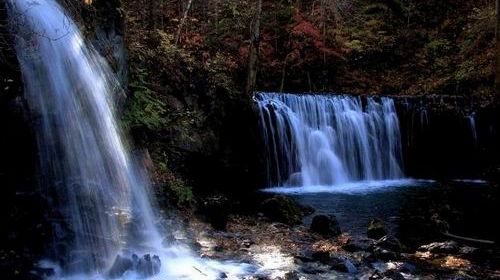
point(109, 227)
point(328, 140)
point(85, 167)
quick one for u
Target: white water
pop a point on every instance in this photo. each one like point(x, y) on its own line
point(98, 189)
point(472, 123)
point(323, 140)
point(360, 187)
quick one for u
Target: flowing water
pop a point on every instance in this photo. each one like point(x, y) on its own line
point(324, 140)
point(93, 181)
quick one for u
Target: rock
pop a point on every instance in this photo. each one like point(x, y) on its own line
point(147, 266)
point(314, 268)
point(222, 275)
point(325, 225)
point(355, 245)
point(120, 266)
point(390, 242)
point(376, 229)
point(214, 210)
point(321, 256)
point(43, 272)
point(383, 267)
point(282, 209)
point(303, 259)
point(292, 275)
point(447, 247)
point(385, 254)
point(343, 264)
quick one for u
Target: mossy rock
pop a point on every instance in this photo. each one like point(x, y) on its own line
point(282, 209)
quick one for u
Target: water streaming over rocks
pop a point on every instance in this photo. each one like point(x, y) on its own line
point(108, 226)
point(329, 140)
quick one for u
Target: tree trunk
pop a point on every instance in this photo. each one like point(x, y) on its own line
point(497, 51)
point(254, 50)
point(183, 21)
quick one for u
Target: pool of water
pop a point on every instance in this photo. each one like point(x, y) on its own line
point(354, 204)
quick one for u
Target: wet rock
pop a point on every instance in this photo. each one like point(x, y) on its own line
point(292, 275)
point(383, 267)
point(42, 272)
point(376, 229)
point(303, 259)
point(390, 242)
point(355, 245)
point(282, 209)
point(146, 266)
point(321, 256)
point(120, 266)
point(343, 264)
point(385, 254)
point(222, 275)
point(447, 247)
point(314, 268)
point(327, 226)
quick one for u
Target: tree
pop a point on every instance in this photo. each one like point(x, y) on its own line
point(254, 50)
point(183, 21)
point(497, 51)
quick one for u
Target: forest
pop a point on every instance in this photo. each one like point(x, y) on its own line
point(249, 139)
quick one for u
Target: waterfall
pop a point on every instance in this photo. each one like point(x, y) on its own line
point(99, 189)
point(105, 223)
point(472, 123)
point(329, 140)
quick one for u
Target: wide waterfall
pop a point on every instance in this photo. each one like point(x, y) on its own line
point(329, 140)
point(104, 223)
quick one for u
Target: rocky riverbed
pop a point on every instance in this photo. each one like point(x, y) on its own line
point(286, 240)
point(283, 251)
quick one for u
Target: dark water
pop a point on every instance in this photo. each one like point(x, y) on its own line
point(408, 209)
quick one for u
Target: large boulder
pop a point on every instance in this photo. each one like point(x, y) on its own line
point(282, 209)
point(327, 226)
point(376, 229)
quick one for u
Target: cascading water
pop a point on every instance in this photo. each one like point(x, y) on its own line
point(84, 159)
point(91, 178)
point(329, 140)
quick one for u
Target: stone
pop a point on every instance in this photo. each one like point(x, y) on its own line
point(355, 245)
point(146, 266)
point(447, 247)
point(292, 275)
point(327, 226)
point(390, 242)
point(314, 268)
point(321, 256)
point(120, 266)
point(342, 264)
point(385, 254)
point(282, 209)
point(376, 229)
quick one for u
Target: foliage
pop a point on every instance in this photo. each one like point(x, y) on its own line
point(144, 109)
point(185, 94)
